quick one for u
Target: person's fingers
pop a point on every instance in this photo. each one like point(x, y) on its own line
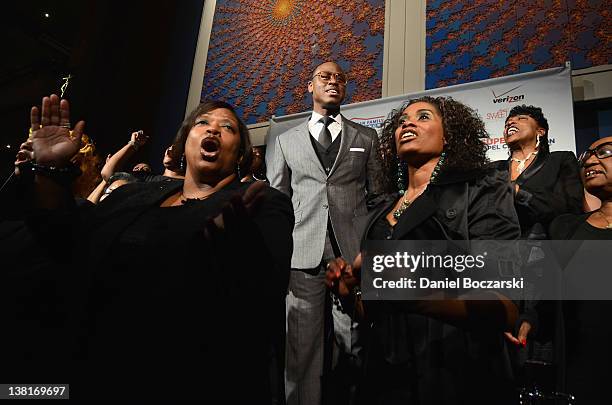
point(357, 262)
point(64, 112)
point(55, 109)
point(524, 332)
point(240, 212)
point(340, 263)
point(23, 156)
point(211, 230)
point(77, 132)
point(219, 222)
point(45, 117)
point(34, 119)
point(347, 271)
point(254, 194)
point(230, 216)
point(330, 277)
point(511, 338)
point(27, 145)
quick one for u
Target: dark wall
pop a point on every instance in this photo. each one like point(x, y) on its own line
point(131, 62)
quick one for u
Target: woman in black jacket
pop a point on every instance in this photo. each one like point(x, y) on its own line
point(447, 351)
point(547, 184)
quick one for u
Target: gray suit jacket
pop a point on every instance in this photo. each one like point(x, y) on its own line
point(294, 169)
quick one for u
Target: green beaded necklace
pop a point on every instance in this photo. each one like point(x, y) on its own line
point(406, 202)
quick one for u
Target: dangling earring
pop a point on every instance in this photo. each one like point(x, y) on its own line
point(538, 141)
point(401, 176)
point(182, 163)
point(238, 171)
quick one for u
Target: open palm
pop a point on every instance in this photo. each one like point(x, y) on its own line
point(52, 143)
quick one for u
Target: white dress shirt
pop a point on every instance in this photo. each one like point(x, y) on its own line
point(315, 126)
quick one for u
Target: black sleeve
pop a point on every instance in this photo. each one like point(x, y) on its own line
point(491, 212)
point(374, 181)
point(542, 205)
point(274, 228)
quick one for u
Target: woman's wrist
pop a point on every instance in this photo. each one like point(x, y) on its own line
point(62, 175)
point(134, 144)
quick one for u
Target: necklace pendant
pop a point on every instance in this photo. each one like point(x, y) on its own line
point(400, 210)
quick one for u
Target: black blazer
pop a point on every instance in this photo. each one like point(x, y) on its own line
point(549, 187)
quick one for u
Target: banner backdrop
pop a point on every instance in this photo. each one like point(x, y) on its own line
point(550, 89)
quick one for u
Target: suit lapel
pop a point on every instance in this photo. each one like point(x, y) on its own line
point(422, 208)
point(304, 144)
point(347, 136)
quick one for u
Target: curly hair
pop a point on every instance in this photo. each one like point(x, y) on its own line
point(89, 162)
point(535, 113)
point(463, 132)
point(245, 153)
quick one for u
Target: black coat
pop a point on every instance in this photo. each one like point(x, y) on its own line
point(416, 359)
point(549, 187)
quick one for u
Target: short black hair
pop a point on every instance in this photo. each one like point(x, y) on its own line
point(245, 154)
point(130, 178)
point(537, 114)
point(320, 64)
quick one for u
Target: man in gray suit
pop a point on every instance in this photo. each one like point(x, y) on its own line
point(329, 166)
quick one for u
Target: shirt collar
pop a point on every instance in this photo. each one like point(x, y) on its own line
point(316, 117)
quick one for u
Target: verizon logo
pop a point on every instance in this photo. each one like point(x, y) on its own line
point(504, 98)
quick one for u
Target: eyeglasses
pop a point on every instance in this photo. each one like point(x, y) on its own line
point(601, 151)
point(327, 76)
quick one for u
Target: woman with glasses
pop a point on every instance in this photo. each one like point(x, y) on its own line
point(596, 171)
point(587, 332)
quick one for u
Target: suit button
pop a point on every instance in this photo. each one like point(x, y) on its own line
point(451, 213)
point(325, 206)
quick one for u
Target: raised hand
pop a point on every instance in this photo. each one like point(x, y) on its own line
point(25, 153)
point(52, 143)
point(139, 138)
point(23, 156)
point(239, 209)
point(228, 230)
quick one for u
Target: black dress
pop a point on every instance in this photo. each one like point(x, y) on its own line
point(588, 331)
point(159, 311)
